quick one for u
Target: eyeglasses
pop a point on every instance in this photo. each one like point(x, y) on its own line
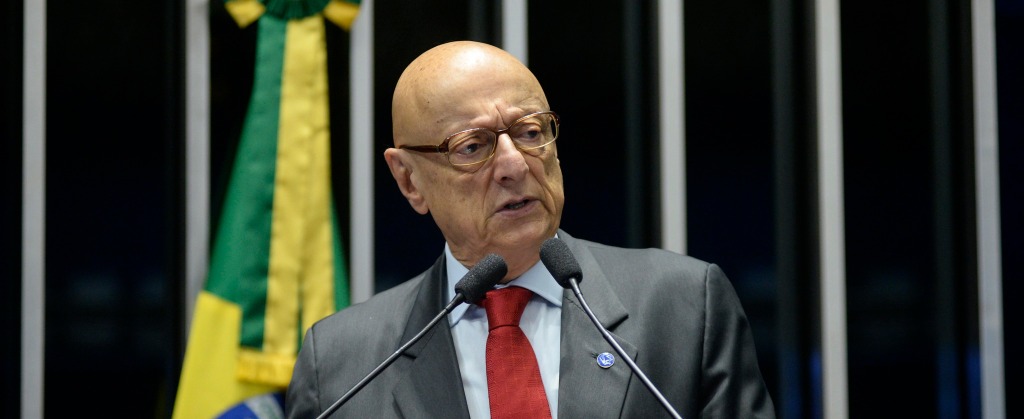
point(465, 149)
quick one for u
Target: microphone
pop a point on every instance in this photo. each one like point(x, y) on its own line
point(557, 257)
point(471, 288)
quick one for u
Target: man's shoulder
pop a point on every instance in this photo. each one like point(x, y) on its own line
point(651, 261)
point(647, 279)
point(383, 316)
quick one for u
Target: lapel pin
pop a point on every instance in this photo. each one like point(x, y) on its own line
point(605, 360)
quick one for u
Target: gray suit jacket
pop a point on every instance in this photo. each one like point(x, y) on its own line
point(677, 317)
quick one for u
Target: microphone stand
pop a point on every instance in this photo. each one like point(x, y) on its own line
point(472, 287)
point(459, 299)
point(622, 353)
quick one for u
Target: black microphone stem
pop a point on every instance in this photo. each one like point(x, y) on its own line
point(618, 349)
point(459, 299)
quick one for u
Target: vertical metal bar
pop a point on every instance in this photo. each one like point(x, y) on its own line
point(986, 166)
point(481, 21)
point(787, 234)
point(672, 133)
point(361, 154)
point(830, 207)
point(637, 145)
point(33, 227)
point(514, 30)
point(946, 360)
point(197, 151)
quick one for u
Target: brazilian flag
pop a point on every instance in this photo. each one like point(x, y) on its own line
point(277, 263)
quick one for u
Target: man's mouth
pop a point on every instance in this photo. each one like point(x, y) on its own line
point(517, 205)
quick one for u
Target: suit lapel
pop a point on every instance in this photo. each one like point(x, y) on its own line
point(586, 389)
point(431, 385)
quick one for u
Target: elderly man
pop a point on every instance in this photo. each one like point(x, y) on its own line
point(475, 148)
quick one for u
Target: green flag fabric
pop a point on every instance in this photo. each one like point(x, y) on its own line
point(276, 265)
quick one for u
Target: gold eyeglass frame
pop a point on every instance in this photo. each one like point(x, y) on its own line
point(443, 147)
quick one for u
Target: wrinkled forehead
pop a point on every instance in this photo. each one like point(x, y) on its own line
point(459, 82)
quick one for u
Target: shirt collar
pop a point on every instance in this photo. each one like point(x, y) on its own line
point(536, 279)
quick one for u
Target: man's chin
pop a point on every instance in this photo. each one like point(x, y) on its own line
point(530, 235)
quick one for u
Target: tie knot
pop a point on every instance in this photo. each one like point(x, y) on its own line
point(505, 306)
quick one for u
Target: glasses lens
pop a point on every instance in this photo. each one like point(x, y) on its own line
point(534, 131)
point(471, 146)
point(530, 134)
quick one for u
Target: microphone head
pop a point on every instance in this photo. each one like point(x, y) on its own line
point(560, 262)
point(482, 278)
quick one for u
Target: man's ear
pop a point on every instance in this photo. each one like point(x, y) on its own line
point(402, 171)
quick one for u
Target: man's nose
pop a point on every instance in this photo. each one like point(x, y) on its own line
point(509, 161)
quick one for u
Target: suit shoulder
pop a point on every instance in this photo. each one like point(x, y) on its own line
point(651, 264)
point(383, 315)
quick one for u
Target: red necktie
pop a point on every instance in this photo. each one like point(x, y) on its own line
point(514, 386)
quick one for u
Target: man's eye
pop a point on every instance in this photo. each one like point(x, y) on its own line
point(470, 146)
point(528, 133)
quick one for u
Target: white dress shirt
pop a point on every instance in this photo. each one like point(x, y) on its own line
point(541, 322)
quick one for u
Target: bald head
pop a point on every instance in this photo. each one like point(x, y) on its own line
point(507, 204)
point(453, 81)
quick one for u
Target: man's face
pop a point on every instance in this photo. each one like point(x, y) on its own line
point(513, 200)
point(508, 205)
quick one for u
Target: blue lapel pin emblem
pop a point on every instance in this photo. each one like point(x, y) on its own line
point(605, 360)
